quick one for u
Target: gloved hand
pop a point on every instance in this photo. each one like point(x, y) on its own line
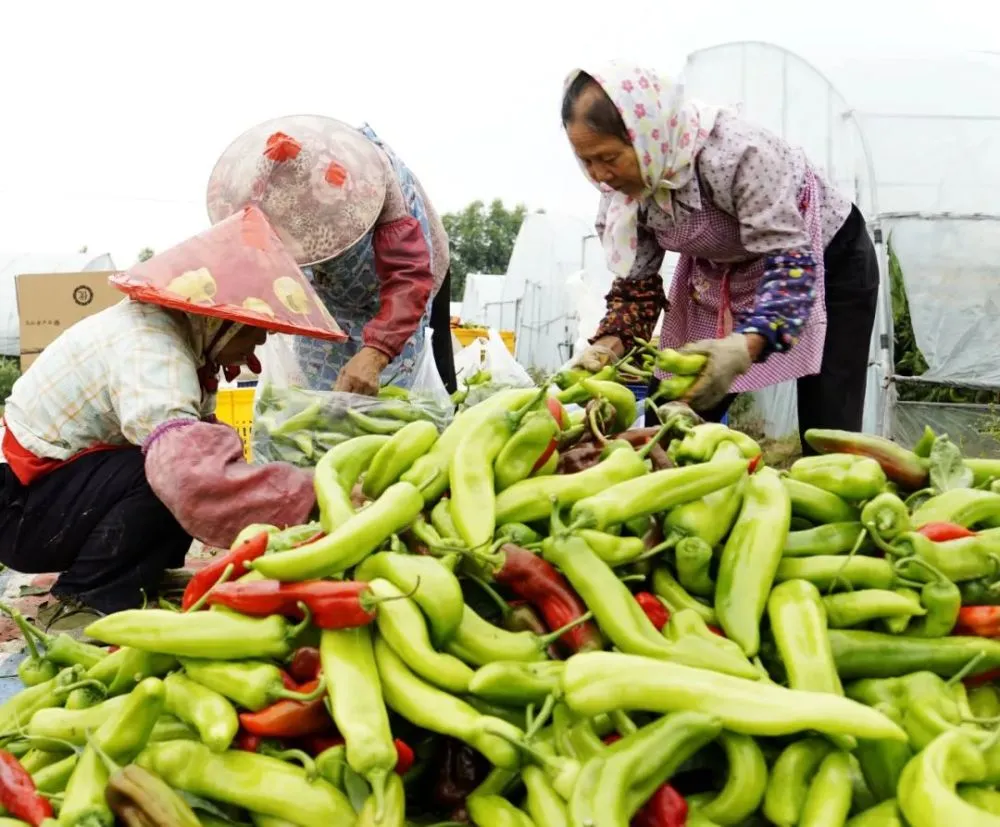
point(361, 374)
point(728, 359)
point(598, 355)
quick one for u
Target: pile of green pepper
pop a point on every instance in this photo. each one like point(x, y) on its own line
point(491, 638)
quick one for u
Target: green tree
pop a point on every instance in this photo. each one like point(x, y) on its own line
point(481, 239)
point(146, 253)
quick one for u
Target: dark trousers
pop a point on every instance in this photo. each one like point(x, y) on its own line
point(835, 397)
point(98, 522)
point(444, 356)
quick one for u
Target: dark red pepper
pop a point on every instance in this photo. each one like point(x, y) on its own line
point(942, 532)
point(18, 794)
point(654, 609)
point(247, 742)
point(667, 808)
point(460, 770)
point(533, 579)
point(985, 677)
point(289, 719)
point(208, 576)
point(335, 604)
point(979, 621)
point(305, 664)
point(316, 744)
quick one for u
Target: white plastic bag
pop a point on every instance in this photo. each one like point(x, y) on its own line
point(469, 360)
point(502, 367)
point(427, 384)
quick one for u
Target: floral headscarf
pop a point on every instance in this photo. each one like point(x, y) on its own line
point(667, 132)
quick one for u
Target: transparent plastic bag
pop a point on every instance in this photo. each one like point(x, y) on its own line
point(485, 367)
point(297, 425)
point(503, 367)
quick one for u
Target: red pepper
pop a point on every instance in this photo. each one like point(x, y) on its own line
point(610, 739)
point(985, 677)
point(247, 742)
point(305, 664)
point(289, 719)
point(942, 532)
point(316, 744)
point(754, 463)
point(537, 581)
point(335, 604)
point(654, 609)
point(207, 577)
point(667, 808)
point(18, 794)
point(980, 621)
point(404, 757)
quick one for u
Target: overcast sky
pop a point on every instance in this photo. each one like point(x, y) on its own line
point(113, 113)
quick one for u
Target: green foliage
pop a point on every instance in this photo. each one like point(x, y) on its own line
point(481, 239)
point(9, 372)
point(910, 361)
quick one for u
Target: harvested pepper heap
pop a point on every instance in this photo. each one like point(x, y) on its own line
point(537, 618)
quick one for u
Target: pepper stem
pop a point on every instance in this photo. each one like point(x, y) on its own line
point(847, 561)
point(303, 624)
point(966, 670)
point(923, 492)
point(109, 763)
point(89, 683)
point(29, 631)
point(227, 572)
point(369, 604)
point(646, 449)
point(666, 545)
point(545, 641)
point(163, 603)
point(921, 563)
point(515, 417)
point(305, 697)
point(377, 779)
point(542, 718)
point(493, 594)
point(625, 725)
point(594, 425)
point(293, 755)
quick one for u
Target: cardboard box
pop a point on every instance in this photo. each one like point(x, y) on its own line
point(48, 303)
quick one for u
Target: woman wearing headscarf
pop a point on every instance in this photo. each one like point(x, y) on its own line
point(112, 459)
point(360, 224)
point(777, 277)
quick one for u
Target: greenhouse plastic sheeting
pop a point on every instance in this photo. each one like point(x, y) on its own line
point(966, 425)
point(483, 302)
point(951, 269)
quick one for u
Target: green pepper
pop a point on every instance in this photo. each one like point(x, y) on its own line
point(898, 625)
point(169, 728)
point(471, 476)
point(519, 534)
point(861, 654)
point(693, 557)
point(397, 456)
point(673, 595)
point(54, 778)
point(683, 364)
point(432, 586)
point(206, 710)
point(652, 493)
point(927, 788)
point(123, 669)
point(885, 518)
point(702, 441)
point(828, 801)
point(442, 522)
point(330, 765)
point(886, 814)
point(981, 798)
point(860, 607)
point(614, 550)
point(19, 708)
point(373, 424)
point(832, 538)
point(798, 623)
point(336, 474)
point(711, 518)
point(673, 387)
point(433, 709)
point(402, 624)
point(568, 377)
point(848, 476)
point(746, 781)
point(38, 759)
point(36, 668)
point(576, 393)
point(790, 778)
point(882, 762)
point(982, 592)
point(511, 682)
point(985, 701)
point(495, 811)
point(751, 559)
point(619, 396)
point(305, 420)
point(121, 737)
point(960, 506)
point(544, 805)
point(250, 684)
point(598, 682)
point(830, 571)
point(246, 779)
point(348, 658)
point(635, 766)
point(388, 813)
point(531, 500)
point(618, 614)
point(72, 725)
point(520, 457)
point(430, 473)
point(940, 597)
point(693, 643)
point(349, 544)
point(968, 558)
point(818, 506)
point(929, 707)
point(226, 636)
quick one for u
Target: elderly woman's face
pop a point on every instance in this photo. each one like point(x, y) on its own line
point(607, 159)
point(241, 347)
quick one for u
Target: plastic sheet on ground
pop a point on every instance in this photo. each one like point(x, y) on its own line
point(964, 424)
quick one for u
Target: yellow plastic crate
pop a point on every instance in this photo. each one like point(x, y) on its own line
point(467, 335)
point(235, 407)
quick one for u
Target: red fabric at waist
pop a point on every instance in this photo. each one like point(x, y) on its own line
point(27, 467)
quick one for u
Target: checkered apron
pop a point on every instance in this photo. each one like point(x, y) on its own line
point(716, 279)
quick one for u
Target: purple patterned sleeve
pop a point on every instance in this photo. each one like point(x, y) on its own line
point(784, 298)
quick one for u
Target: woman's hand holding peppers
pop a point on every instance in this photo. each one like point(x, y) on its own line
point(728, 359)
